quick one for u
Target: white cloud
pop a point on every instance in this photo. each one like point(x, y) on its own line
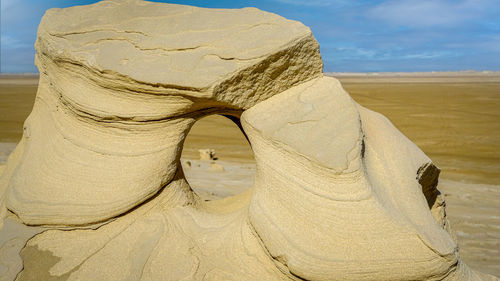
point(426, 13)
point(488, 43)
point(358, 53)
point(429, 55)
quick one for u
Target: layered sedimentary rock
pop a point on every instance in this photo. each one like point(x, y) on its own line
point(349, 207)
point(337, 185)
point(340, 194)
point(120, 86)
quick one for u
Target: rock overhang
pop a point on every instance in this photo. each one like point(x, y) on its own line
point(166, 44)
point(121, 84)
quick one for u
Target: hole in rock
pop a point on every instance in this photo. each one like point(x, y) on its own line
point(217, 159)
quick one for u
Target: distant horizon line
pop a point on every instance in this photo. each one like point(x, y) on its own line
point(337, 72)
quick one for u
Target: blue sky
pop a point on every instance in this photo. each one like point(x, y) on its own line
point(354, 35)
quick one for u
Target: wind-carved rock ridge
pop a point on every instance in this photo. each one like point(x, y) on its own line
point(339, 194)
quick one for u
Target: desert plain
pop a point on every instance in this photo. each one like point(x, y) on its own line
point(452, 116)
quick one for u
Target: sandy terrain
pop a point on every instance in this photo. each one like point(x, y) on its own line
point(456, 124)
point(452, 117)
point(419, 77)
point(17, 95)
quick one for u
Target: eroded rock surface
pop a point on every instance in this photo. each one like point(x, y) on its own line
point(120, 86)
point(339, 194)
point(336, 184)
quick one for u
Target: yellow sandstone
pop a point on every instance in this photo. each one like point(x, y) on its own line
point(339, 193)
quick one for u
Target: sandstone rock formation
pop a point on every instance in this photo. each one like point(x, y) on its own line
point(339, 193)
point(346, 186)
point(120, 87)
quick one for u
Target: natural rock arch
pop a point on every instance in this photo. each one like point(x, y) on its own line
point(217, 158)
point(340, 194)
point(130, 118)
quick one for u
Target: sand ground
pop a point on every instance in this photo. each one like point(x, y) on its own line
point(17, 95)
point(453, 117)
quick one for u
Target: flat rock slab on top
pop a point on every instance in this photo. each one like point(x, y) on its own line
point(167, 44)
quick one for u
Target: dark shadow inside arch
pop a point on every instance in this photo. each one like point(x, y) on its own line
point(217, 159)
point(236, 120)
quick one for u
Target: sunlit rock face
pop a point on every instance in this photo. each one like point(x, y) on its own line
point(121, 84)
point(337, 185)
point(339, 194)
